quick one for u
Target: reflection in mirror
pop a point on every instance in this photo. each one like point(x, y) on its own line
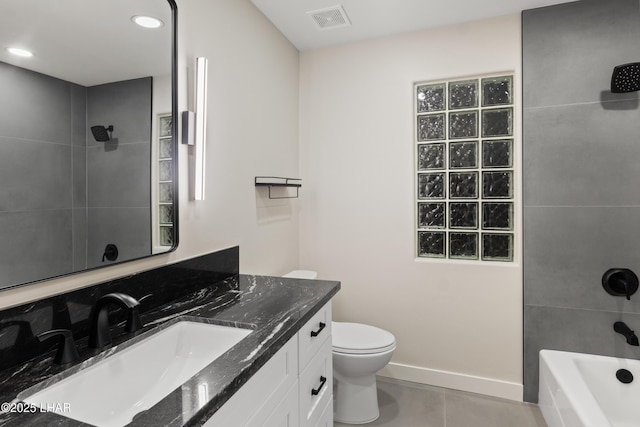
point(87, 147)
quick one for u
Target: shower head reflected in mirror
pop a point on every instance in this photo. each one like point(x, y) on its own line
point(626, 78)
point(102, 133)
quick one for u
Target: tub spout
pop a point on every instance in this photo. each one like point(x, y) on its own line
point(623, 329)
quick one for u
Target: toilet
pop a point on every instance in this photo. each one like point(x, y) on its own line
point(359, 352)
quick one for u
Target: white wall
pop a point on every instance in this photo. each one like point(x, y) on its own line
point(252, 130)
point(457, 324)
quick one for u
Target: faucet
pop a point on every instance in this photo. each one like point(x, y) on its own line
point(67, 351)
point(623, 329)
point(99, 335)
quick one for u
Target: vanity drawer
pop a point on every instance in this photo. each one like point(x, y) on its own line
point(313, 335)
point(316, 386)
point(263, 391)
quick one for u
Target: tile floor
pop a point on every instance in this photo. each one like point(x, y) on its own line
point(404, 404)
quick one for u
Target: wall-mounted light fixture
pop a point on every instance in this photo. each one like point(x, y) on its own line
point(194, 128)
point(201, 126)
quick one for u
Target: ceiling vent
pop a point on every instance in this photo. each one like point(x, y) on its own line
point(331, 17)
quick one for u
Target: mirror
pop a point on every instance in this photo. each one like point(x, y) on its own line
point(88, 166)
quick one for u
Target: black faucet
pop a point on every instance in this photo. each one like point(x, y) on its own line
point(623, 329)
point(67, 351)
point(99, 335)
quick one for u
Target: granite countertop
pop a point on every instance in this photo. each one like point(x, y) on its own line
point(274, 308)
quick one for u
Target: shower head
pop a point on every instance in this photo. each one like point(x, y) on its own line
point(101, 133)
point(626, 78)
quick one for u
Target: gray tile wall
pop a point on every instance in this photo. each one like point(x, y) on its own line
point(119, 171)
point(581, 178)
point(37, 160)
point(62, 193)
point(79, 153)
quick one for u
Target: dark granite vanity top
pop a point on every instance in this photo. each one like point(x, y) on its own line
point(274, 308)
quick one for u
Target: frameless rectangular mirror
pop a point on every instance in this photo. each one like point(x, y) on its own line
point(88, 166)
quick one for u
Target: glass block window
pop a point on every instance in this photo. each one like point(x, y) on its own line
point(464, 169)
point(165, 180)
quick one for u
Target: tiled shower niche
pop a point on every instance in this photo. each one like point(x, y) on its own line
point(464, 169)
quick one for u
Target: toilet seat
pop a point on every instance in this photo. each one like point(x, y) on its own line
point(356, 338)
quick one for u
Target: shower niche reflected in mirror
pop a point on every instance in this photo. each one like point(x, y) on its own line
point(87, 147)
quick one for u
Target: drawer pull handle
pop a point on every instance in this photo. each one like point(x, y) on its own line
point(316, 333)
point(316, 391)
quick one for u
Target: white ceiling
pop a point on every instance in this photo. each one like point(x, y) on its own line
point(378, 18)
point(87, 42)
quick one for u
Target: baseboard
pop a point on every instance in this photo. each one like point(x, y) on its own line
point(453, 380)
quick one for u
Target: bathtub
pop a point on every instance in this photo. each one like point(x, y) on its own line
point(581, 390)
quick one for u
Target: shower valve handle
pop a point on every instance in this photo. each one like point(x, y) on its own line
point(620, 282)
point(110, 252)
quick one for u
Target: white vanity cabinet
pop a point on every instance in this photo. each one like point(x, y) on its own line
point(293, 389)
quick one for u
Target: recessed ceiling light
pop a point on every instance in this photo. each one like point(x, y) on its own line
point(19, 52)
point(147, 21)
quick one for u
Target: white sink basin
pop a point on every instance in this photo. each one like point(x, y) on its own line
point(114, 390)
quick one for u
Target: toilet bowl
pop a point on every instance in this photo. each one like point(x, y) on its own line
point(359, 352)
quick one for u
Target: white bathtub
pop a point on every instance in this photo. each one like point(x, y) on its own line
point(581, 390)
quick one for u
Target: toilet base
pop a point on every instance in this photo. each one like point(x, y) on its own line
point(355, 399)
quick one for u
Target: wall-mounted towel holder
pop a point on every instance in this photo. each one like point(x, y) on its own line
point(277, 181)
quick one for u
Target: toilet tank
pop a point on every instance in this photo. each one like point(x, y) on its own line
point(301, 274)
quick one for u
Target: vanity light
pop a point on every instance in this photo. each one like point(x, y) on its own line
point(147, 21)
point(194, 129)
point(19, 52)
point(200, 126)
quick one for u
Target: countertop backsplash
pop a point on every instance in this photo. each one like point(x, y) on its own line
point(167, 287)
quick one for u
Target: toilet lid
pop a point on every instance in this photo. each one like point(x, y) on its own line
point(356, 338)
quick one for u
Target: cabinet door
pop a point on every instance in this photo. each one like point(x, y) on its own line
point(286, 413)
point(256, 399)
point(316, 386)
point(326, 419)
